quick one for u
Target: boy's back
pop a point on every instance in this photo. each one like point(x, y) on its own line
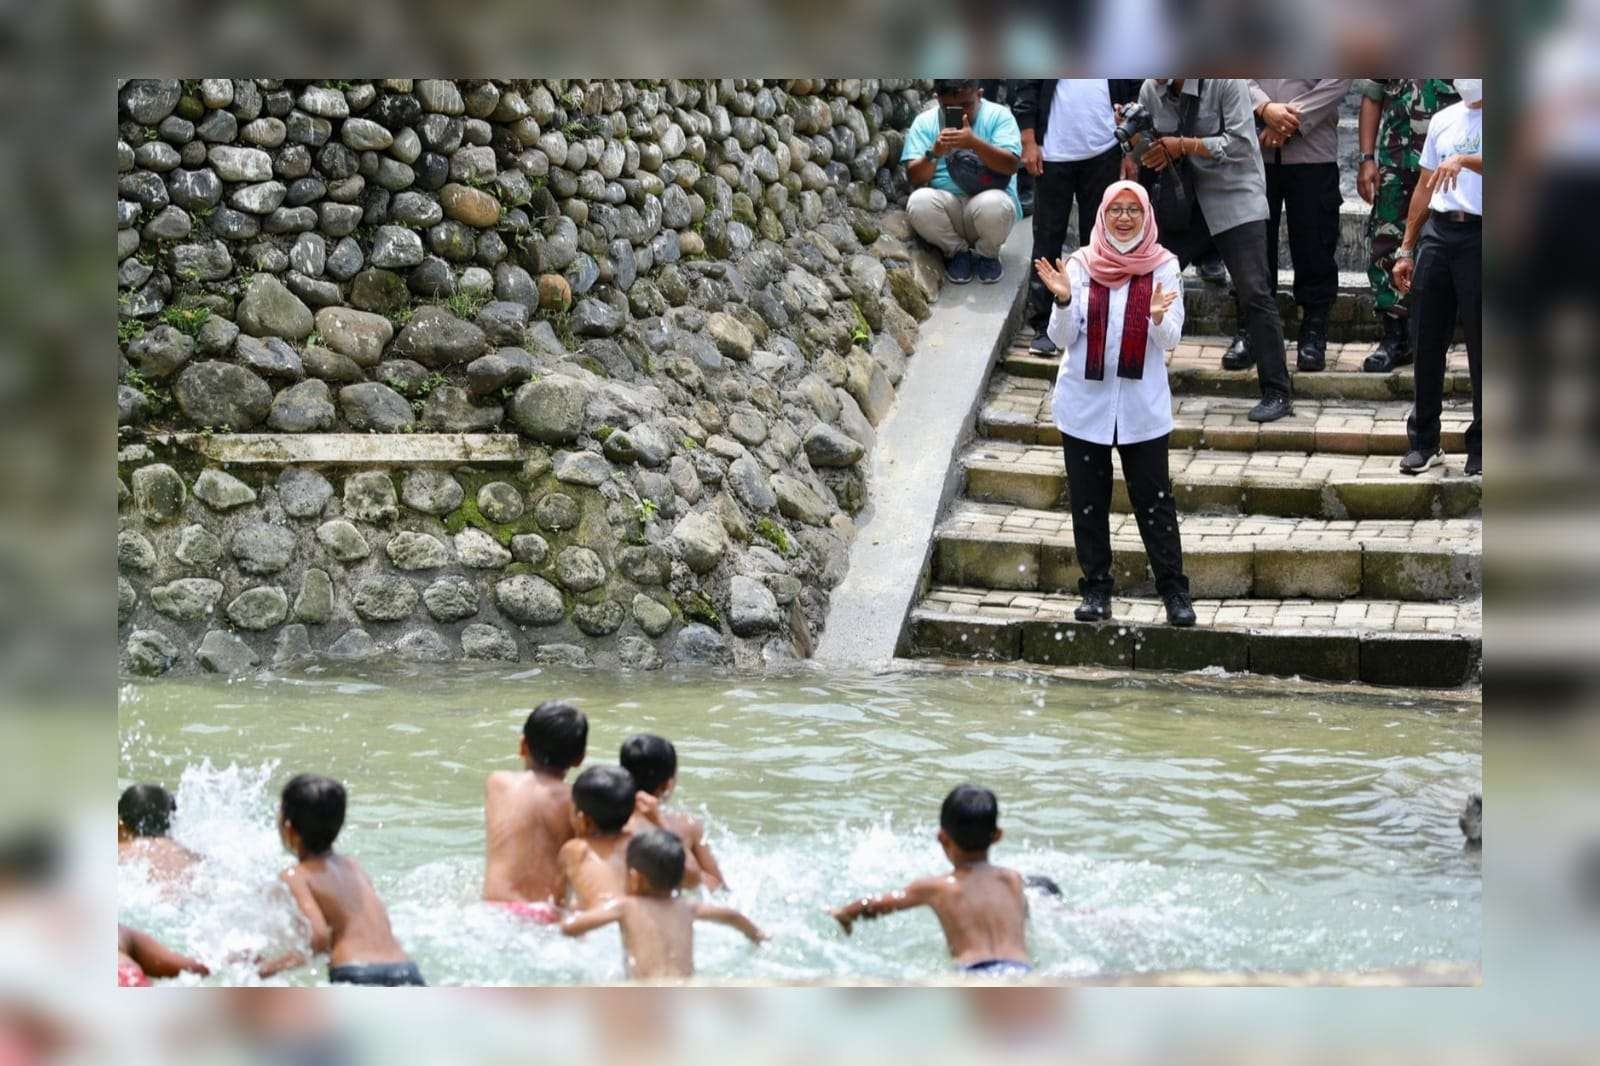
point(358, 926)
point(657, 936)
point(595, 867)
point(168, 860)
point(527, 819)
point(983, 913)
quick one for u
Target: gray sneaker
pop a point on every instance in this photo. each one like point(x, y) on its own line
point(1415, 461)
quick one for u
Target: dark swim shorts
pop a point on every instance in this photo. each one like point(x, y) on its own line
point(386, 974)
point(997, 968)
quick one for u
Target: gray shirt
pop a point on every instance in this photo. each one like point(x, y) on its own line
point(1231, 185)
point(1317, 140)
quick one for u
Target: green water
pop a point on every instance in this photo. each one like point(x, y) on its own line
point(1188, 826)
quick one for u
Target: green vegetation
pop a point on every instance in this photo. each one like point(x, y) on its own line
point(648, 511)
point(187, 319)
point(697, 607)
point(561, 322)
point(776, 535)
point(158, 398)
point(466, 305)
point(689, 444)
point(129, 330)
point(861, 332)
point(604, 433)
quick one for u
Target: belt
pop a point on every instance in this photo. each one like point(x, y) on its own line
point(1457, 216)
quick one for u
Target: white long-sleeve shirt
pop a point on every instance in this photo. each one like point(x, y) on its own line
point(1128, 410)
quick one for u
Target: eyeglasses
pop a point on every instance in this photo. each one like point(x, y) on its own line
point(1125, 211)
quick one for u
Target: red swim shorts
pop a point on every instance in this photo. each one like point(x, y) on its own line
point(543, 913)
point(131, 975)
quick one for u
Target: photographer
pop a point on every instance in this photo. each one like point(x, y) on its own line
point(965, 198)
point(1069, 145)
point(1207, 127)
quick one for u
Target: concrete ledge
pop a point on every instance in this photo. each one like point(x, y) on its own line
point(353, 449)
point(914, 468)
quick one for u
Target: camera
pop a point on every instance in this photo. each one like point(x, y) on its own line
point(1136, 120)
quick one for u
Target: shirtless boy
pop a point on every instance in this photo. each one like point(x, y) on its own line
point(141, 956)
point(980, 907)
point(144, 818)
point(657, 924)
point(527, 812)
point(346, 917)
point(653, 762)
point(593, 864)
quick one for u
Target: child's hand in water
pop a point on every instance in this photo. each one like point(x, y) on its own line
point(648, 807)
point(843, 917)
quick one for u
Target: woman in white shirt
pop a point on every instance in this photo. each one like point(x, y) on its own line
point(1118, 311)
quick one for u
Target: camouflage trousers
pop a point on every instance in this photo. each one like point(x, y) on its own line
point(1386, 227)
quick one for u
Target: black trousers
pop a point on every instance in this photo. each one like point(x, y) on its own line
point(1144, 467)
point(1054, 192)
point(1244, 250)
point(1447, 287)
point(1310, 193)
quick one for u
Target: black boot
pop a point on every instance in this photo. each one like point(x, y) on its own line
point(1212, 272)
point(1311, 352)
point(1394, 350)
point(1180, 609)
point(1096, 606)
point(1238, 356)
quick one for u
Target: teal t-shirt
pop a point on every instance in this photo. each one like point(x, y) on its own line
point(994, 125)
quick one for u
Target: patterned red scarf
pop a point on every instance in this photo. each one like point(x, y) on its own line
point(1135, 329)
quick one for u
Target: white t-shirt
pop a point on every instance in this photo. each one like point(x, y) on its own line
point(1457, 130)
point(1081, 121)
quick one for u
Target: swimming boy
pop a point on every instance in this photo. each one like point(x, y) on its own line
point(593, 863)
point(980, 907)
point(657, 924)
point(144, 820)
point(347, 919)
point(527, 813)
point(653, 762)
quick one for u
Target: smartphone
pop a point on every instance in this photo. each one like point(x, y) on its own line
point(953, 117)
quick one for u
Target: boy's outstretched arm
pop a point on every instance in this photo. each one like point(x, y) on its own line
point(713, 912)
point(596, 917)
point(710, 873)
point(154, 957)
point(321, 933)
point(916, 894)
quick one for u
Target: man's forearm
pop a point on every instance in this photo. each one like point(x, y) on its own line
point(1416, 212)
point(920, 171)
point(1367, 125)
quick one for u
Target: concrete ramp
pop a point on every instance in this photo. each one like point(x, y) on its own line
point(914, 468)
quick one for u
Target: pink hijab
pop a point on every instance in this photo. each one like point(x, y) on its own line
point(1110, 267)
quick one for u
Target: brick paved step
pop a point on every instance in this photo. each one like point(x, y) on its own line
point(1381, 642)
point(1018, 409)
point(1290, 484)
point(1209, 308)
point(1195, 368)
point(995, 546)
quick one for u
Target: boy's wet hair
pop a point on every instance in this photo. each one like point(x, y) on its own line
point(314, 806)
point(652, 760)
point(146, 810)
point(658, 855)
point(605, 794)
point(557, 734)
point(969, 817)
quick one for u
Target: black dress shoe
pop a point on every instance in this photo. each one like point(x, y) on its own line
point(1043, 345)
point(1180, 611)
point(1311, 353)
point(1238, 356)
point(1474, 466)
point(1096, 607)
point(1393, 350)
point(1212, 272)
point(1271, 408)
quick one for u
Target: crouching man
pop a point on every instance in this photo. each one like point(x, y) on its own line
point(962, 157)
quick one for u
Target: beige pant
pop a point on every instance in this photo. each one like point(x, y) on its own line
point(950, 223)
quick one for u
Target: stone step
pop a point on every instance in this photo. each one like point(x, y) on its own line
point(1380, 642)
point(1291, 484)
point(1195, 367)
point(1018, 409)
point(995, 546)
point(1209, 308)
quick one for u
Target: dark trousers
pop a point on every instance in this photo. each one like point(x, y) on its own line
point(1054, 192)
point(1244, 250)
point(1310, 193)
point(1447, 287)
point(1144, 468)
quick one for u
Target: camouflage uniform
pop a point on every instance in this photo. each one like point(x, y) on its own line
point(1408, 106)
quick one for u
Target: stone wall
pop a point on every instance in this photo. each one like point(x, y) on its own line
point(674, 310)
